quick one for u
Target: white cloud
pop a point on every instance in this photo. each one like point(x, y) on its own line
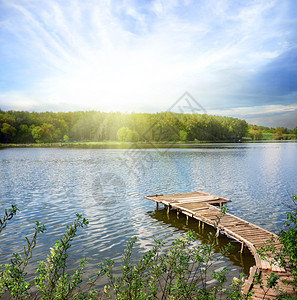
point(17, 101)
point(266, 115)
point(244, 112)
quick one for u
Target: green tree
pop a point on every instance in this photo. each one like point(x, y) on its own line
point(49, 131)
point(134, 136)
point(255, 134)
point(279, 135)
point(24, 134)
point(8, 132)
point(37, 133)
point(125, 134)
point(65, 138)
point(183, 135)
point(295, 132)
point(43, 133)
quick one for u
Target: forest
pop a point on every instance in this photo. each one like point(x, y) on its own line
point(23, 127)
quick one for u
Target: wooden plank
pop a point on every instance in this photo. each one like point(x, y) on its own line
point(200, 208)
point(197, 198)
point(189, 205)
point(255, 238)
point(248, 283)
point(248, 229)
point(255, 234)
point(252, 235)
point(265, 264)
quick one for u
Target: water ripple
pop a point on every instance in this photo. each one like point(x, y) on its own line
point(107, 187)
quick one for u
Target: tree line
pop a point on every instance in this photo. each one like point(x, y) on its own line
point(278, 133)
point(48, 127)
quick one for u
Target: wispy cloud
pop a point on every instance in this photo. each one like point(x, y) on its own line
point(142, 55)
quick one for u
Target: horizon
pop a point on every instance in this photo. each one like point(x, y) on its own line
point(236, 59)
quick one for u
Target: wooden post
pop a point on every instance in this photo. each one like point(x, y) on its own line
point(168, 210)
point(199, 224)
point(177, 214)
point(241, 250)
point(187, 220)
point(157, 205)
point(203, 225)
point(218, 232)
point(220, 205)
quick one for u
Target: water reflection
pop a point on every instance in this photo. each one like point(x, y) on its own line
point(244, 261)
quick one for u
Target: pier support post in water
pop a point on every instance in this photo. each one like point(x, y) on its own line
point(157, 205)
point(242, 247)
point(187, 220)
point(168, 210)
point(177, 214)
point(199, 224)
point(203, 225)
point(218, 232)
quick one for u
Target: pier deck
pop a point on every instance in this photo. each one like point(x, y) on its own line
point(202, 207)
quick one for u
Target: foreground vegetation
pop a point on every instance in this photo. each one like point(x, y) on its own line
point(180, 272)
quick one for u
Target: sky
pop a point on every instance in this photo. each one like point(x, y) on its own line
point(234, 57)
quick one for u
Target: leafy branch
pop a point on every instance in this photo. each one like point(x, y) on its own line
point(12, 276)
point(53, 282)
point(8, 215)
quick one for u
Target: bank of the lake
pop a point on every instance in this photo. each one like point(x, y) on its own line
point(136, 145)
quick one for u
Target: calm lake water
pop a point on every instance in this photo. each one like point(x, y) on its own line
point(108, 187)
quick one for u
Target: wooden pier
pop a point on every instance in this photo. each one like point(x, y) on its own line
point(203, 207)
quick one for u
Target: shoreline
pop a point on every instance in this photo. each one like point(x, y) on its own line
point(137, 145)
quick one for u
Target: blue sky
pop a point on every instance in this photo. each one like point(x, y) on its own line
point(236, 58)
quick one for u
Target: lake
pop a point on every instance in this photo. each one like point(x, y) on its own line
point(108, 187)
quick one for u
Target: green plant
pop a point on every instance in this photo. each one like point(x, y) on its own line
point(286, 255)
point(182, 272)
point(271, 282)
point(288, 237)
point(12, 276)
point(8, 214)
point(235, 290)
point(53, 281)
